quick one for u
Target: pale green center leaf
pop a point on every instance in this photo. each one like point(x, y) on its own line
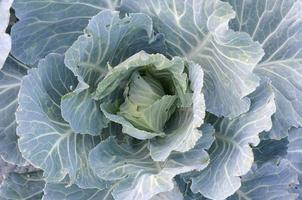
point(144, 90)
point(153, 87)
point(146, 106)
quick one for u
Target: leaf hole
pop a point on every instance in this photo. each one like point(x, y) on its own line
point(107, 26)
point(87, 34)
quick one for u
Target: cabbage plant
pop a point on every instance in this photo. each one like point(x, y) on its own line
point(150, 99)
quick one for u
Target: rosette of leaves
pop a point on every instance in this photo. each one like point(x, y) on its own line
point(150, 99)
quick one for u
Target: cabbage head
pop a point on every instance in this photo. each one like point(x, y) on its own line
point(150, 99)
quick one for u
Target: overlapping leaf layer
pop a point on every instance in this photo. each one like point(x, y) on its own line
point(150, 99)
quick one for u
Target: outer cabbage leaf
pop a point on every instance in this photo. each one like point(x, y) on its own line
point(207, 138)
point(5, 40)
point(135, 174)
point(62, 190)
point(277, 25)
point(185, 188)
point(5, 46)
point(6, 168)
point(231, 154)
point(10, 81)
point(174, 194)
point(294, 154)
point(198, 30)
point(83, 113)
point(183, 133)
point(27, 186)
point(270, 151)
point(270, 181)
point(108, 40)
point(48, 26)
point(183, 180)
point(46, 140)
point(4, 14)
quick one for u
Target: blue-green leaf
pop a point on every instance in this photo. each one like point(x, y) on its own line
point(174, 194)
point(231, 154)
point(270, 182)
point(10, 81)
point(136, 175)
point(48, 26)
point(83, 113)
point(6, 168)
point(5, 40)
point(198, 30)
point(27, 186)
point(184, 180)
point(207, 138)
point(185, 188)
point(46, 140)
point(108, 40)
point(277, 25)
point(5, 46)
point(62, 190)
point(270, 150)
point(294, 154)
point(4, 14)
